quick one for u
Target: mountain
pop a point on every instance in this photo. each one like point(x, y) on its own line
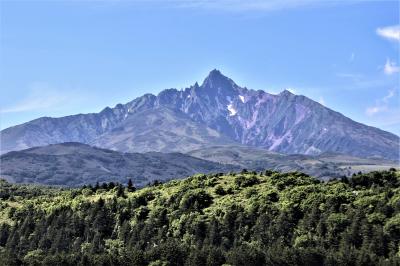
point(75, 164)
point(217, 112)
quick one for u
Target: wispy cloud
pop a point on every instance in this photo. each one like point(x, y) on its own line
point(391, 33)
point(381, 105)
point(352, 57)
point(353, 76)
point(256, 5)
point(40, 97)
point(359, 81)
point(376, 109)
point(391, 67)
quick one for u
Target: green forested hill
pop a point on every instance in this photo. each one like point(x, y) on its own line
point(245, 218)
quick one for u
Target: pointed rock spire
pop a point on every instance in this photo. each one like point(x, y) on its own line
point(286, 92)
point(216, 79)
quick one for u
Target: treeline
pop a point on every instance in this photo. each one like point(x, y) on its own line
point(245, 218)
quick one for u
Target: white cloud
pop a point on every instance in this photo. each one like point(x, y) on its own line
point(381, 105)
point(391, 33)
point(390, 67)
point(376, 109)
point(40, 97)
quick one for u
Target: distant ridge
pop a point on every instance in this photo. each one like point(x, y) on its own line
point(75, 164)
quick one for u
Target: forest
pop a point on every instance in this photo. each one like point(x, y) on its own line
point(244, 218)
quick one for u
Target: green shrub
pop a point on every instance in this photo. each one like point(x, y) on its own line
point(246, 181)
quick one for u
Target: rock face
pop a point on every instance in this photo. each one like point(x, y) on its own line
point(218, 112)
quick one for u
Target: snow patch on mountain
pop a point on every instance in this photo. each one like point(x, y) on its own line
point(231, 109)
point(241, 97)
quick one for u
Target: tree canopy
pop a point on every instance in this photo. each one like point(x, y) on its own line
point(245, 218)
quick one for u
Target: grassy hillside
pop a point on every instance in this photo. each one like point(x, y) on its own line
point(245, 218)
point(76, 164)
point(324, 166)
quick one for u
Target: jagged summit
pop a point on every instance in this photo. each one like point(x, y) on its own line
point(286, 92)
point(215, 72)
point(216, 79)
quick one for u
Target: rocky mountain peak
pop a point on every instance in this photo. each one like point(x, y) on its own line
point(286, 93)
point(216, 80)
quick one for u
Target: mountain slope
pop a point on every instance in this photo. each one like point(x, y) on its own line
point(324, 166)
point(74, 164)
point(217, 111)
point(160, 129)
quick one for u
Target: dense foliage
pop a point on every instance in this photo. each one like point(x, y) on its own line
point(245, 218)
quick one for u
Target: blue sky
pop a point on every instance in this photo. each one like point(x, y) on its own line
point(66, 57)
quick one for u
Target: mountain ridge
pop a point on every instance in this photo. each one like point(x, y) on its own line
point(74, 164)
point(285, 123)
